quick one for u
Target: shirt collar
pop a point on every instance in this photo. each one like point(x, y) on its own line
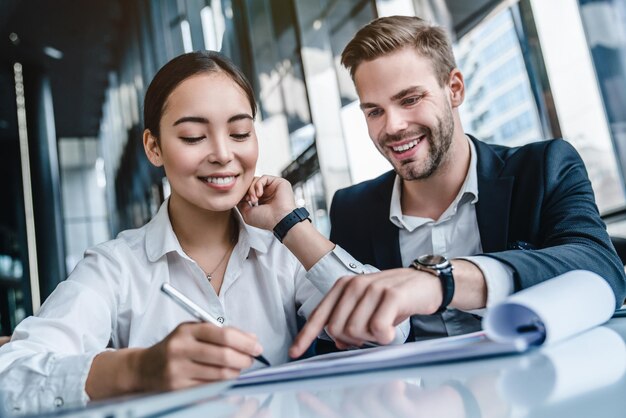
point(470, 187)
point(161, 239)
point(254, 238)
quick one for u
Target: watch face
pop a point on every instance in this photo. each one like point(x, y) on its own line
point(431, 260)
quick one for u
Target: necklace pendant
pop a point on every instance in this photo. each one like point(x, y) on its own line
point(208, 276)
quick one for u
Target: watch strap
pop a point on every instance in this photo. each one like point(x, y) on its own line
point(294, 217)
point(447, 285)
point(445, 277)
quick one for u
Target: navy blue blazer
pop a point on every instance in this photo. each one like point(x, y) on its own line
point(537, 194)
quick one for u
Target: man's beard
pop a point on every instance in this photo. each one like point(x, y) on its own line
point(439, 142)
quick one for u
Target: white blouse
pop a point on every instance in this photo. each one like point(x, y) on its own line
point(113, 299)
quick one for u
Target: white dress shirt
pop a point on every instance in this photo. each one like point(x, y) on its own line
point(454, 235)
point(113, 298)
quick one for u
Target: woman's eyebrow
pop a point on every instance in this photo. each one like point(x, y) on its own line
point(239, 116)
point(199, 119)
point(196, 119)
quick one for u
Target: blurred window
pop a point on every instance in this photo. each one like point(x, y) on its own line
point(279, 80)
point(83, 185)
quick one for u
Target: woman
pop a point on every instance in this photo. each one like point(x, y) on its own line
point(198, 112)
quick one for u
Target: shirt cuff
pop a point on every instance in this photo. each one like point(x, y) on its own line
point(338, 263)
point(59, 384)
point(332, 266)
point(402, 331)
point(498, 278)
point(66, 384)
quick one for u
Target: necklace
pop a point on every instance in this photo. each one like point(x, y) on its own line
point(234, 235)
point(209, 275)
point(233, 241)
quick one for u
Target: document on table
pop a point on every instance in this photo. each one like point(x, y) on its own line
point(550, 311)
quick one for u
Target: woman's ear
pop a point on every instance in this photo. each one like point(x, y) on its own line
point(152, 148)
point(456, 84)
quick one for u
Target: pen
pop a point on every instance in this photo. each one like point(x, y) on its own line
point(199, 313)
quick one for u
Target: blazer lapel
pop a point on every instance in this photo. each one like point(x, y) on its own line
point(494, 199)
point(385, 240)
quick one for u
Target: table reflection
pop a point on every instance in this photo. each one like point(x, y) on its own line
point(549, 379)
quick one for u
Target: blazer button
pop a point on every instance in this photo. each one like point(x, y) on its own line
point(352, 265)
point(220, 319)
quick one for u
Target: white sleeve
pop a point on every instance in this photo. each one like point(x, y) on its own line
point(498, 278)
point(330, 268)
point(333, 266)
point(45, 366)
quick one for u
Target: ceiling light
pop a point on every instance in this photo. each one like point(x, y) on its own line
point(14, 38)
point(52, 52)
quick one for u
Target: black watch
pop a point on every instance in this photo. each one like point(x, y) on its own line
point(442, 268)
point(296, 216)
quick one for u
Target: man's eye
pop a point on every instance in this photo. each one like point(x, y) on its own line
point(374, 113)
point(240, 137)
point(192, 139)
point(410, 100)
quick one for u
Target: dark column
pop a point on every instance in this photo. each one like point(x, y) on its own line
point(48, 212)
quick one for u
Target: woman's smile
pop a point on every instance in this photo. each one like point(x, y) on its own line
point(223, 182)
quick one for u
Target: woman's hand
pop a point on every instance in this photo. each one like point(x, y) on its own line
point(192, 354)
point(267, 202)
point(196, 353)
point(269, 199)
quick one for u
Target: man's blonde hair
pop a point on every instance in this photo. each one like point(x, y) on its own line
point(388, 34)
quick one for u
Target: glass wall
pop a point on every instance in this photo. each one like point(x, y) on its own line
point(519, 71)
point(579, 101)
point(604, 22)
point(344, 19)
point(343, 148)
point(500, 107)
point(278, 75)
point(83, 183)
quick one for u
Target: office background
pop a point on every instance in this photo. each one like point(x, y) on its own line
point(73, 75)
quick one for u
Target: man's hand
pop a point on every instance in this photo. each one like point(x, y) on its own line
point(368, 307)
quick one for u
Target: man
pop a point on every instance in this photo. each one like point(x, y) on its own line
point(504, 218)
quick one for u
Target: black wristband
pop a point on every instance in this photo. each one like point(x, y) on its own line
point(447, 285)
point(296, 216)
point(444, 272)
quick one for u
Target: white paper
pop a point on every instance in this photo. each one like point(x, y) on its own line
point(558, 308)
point(410, 354)
point(563, 306)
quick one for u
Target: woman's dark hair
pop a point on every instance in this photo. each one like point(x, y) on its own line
point(181, 68)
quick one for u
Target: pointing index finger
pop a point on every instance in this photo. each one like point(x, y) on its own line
point(316, 322)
